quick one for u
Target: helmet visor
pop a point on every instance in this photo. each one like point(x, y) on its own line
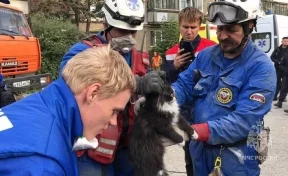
point(227, 12)
point(132, 20)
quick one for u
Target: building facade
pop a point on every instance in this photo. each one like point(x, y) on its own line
point(160, 11)
point(20, 4)
point(157, 12)
point(279, 7)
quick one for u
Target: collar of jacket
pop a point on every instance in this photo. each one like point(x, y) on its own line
point(195, 42)
point(101, 38)
point(246, 52)
point(60, 99)
point(280, 47)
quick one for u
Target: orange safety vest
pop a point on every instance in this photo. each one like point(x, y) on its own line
point(109, 139)
point(157, 61)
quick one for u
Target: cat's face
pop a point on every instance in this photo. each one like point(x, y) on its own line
point(167, 102)
point(167, 96)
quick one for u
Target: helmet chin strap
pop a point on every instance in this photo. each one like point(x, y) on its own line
point(247, 31)
point(243, 42)
point(107, 30)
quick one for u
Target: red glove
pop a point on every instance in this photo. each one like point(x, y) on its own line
point(201, 132)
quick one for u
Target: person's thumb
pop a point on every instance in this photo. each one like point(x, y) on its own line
point(138, 104)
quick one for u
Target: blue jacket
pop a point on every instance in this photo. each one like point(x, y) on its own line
point(231, 100)
point(123, 166)
point(45, 125)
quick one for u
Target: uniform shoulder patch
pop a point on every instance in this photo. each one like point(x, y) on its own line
point(258, 97)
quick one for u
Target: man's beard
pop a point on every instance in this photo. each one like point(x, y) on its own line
point(228, 46)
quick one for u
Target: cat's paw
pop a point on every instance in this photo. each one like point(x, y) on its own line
point(194, 136)
point(162, 173)
point(182, 144)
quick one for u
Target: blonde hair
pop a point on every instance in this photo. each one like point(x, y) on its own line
point(99, 65)
point(190, 14)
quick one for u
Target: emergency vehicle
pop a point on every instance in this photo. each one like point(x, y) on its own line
point(269, 32)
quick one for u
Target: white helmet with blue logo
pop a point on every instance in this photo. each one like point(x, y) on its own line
point(124, 14)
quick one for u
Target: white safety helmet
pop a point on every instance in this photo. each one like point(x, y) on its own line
point(124, 14)
point(223, 12)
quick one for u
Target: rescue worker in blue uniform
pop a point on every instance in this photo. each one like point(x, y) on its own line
point(123, 19)
point(40, 133)
point(234, 93)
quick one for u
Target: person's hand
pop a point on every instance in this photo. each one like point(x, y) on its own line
point(181, 60)
point(152, 82)
point(138, 104)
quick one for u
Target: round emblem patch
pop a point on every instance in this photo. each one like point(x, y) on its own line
point(133, 4)
point(224, 95)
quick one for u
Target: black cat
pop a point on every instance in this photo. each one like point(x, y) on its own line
point(155, 120)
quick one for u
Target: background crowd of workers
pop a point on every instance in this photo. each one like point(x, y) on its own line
point(223, 90)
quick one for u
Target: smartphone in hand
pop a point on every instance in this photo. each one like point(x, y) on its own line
point(188, 47)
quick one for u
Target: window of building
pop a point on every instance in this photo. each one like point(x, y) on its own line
point(163, 4)
point(155, 37)
point(199, 4)
point(183, 4)
point(13, 23)
point(262, 40)
point(194, 3)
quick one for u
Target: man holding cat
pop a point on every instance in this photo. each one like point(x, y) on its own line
point(234, 93)
point(190, 20)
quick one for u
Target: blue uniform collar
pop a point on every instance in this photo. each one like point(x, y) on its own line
point(128, 58)
point(247, 51)
point(101, 38)
point(59, 94)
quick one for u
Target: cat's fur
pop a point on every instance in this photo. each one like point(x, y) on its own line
point(155, 120)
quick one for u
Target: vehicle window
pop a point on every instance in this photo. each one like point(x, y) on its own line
point(262, 40)
point(13, 23)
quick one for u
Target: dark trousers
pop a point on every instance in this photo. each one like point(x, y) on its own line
point(188, 159)
point(284, 88)
point(186, 112)
point(279, 74)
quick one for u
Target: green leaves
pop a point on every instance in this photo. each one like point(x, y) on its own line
point(74, 10)
point(56, 37)
point(169, 36)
